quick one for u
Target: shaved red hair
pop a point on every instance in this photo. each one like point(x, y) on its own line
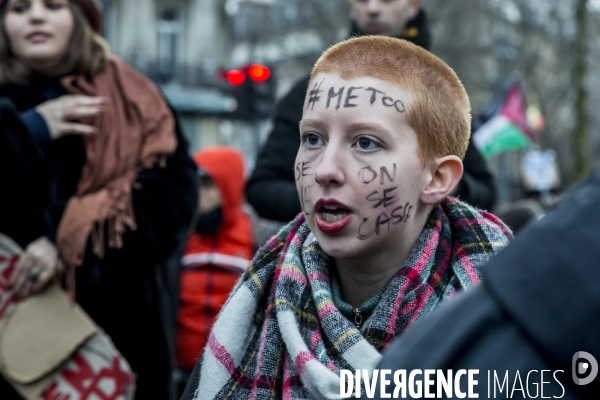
point(440, 113)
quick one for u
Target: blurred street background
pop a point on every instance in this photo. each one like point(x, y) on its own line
point(200, 52)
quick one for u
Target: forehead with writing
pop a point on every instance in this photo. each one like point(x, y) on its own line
point(331, 92)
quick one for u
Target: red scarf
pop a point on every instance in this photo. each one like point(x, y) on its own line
point(135, 131)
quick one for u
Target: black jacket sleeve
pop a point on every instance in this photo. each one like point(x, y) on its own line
point(24, 190)
point(132, 291)
point(164, 205)
point(477, 186)
point(472, 332)
point(536, 308)
point(271, 189)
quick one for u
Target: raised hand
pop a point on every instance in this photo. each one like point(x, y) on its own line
point(62, 114)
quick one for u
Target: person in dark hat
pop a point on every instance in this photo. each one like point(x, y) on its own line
point(271, 189)
point(95, 176)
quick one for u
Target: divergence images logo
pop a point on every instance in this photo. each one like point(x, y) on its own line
point(584, 362)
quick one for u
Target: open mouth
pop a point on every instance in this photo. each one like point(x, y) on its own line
point(331, 217)
point(333, 213)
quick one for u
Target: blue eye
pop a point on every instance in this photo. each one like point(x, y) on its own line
point(312, 139)
point(364, 143)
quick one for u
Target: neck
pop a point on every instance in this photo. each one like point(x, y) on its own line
point(362, 277)
point(51, 68)
point(359, 286)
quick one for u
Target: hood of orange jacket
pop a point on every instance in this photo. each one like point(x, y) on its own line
point(234, 237)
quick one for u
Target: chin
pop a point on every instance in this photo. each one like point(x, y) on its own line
point(41, 54)
point(336, 248)
point(40, 57)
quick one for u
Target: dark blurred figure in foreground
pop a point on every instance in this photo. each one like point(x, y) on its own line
point(218, 252)
point(538, 305)
point(520, 214)
point(271, 189)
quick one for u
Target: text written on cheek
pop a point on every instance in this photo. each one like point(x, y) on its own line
point(385, 197)
point(303, 190)
point(367, 174)
point(302, 170)
point(369, 227)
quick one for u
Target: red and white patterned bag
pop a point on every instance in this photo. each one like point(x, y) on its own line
point(51, 350)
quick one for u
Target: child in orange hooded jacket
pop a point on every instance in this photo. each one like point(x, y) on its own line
point(218, 251)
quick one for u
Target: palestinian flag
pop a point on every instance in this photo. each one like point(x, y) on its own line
point(506, 126)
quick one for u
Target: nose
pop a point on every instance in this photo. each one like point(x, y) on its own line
point(37, 11)
point(373, 7)
point(329, 171)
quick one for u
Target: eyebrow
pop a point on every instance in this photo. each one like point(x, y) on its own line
point(356, 126)
point(310, 121)
point(313, 122)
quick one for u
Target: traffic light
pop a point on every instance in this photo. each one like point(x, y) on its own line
point(254, 89)
point(235, 77)
point(259, 73)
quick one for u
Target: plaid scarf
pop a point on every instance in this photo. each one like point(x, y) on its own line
point(280, 336)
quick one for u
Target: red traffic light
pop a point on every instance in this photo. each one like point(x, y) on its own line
point(236, 77)
point(259, 73)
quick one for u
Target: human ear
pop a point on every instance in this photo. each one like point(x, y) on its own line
point(445, 173)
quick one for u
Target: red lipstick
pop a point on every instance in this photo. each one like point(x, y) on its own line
point(332, 216)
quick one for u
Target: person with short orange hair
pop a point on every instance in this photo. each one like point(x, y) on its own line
point(271, 189)
point(379, 242)
point(441, 111)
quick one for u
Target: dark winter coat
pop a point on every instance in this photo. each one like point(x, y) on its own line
point(129, 292)
point(271, 189)
point(538, 305)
